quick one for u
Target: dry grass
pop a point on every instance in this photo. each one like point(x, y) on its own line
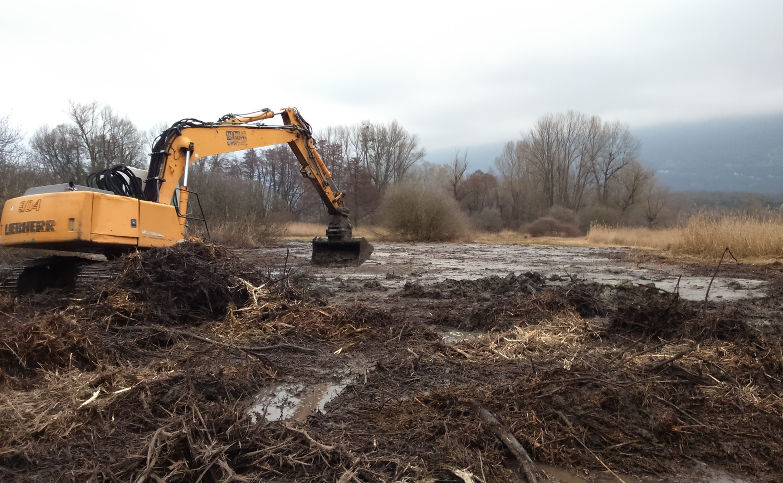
point(754, 238)
point(639, 237)
point(748, 236)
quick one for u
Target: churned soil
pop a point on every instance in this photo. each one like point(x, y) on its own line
point(198, 362)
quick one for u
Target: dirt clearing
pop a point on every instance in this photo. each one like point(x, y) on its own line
point(199, 363)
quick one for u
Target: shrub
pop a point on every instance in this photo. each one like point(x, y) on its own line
point(562, 214)
point(548, 226)
point(598, 214)
point(489, 219)
point(419, 212)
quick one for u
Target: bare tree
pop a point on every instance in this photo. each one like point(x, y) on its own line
point(282, 176)
point(16, 174)
point(657, 198)
point(543, 157)
point(632, 183)
point(457, 170)
point(513, 168)
point(106, 138)
point(570, 169)
point(618, 150)
point(94, 139)
point(563, 160)
point(387, 151)
point(593, 146)
point(556, 158)
point(10, 142)
point(340, 147)
point(480, 192)
point(59, 151)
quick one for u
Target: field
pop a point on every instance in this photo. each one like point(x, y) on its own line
point(198, 362)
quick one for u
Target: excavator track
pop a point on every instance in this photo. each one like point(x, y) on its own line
point(70, 273)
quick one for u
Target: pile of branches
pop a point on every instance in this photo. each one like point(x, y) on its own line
point(183, 284)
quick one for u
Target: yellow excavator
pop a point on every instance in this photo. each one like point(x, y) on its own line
point(125, 208)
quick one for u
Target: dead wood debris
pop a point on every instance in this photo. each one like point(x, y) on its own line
point(122, 386)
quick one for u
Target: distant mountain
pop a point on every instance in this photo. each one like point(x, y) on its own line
point(738, 155)
point(481, 156)
point(691, 201)
point(729, 155)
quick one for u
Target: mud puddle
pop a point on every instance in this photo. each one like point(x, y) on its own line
point(392, 264)
point(296, 400)
point(299, 399)
point(451, 336)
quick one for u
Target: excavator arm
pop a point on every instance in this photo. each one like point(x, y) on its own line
point(189, 140)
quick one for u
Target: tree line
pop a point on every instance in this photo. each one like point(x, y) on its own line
point(569, 168)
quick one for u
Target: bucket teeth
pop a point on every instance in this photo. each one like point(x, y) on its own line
point(341, 253)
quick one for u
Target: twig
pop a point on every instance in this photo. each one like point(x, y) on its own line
point(510, 441)
point(460, 351)
point(671, 359)
point(724, 371)
point(302, 432)
point(481, 465)
point(153, 451)
point(464, 475)
point(707, 295)
point(674, 406)
point(286, 274)
point(570, 426)
point(296, 348)
point(573, 279)
point(253, 291)
point(247, 350)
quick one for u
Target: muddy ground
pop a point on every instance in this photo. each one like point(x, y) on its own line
point(201, 363)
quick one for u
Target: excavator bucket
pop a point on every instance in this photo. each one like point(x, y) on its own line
point(341, 253)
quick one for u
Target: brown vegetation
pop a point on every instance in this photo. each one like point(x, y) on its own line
point(422, 213)
point(706, 234)
point(757, 235)
point(111, 385)
point(639, 237)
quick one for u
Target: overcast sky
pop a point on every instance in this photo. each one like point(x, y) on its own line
point(456, 74)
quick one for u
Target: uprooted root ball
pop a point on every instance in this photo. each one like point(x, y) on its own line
point(185, 283)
